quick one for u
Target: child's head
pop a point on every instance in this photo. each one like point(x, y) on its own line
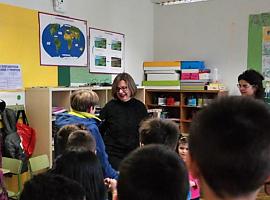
point(63, 134)
point(84, 100)
point(159, 131)
point(81, 140)
point(153, 172)
point(85, 168)
point(182, 147)
point(230, 146)
point(48, 186)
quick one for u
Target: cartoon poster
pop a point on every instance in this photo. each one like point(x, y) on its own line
point(63, 40)
point(106, 51)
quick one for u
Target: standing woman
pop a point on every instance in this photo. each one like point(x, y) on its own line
point(250, 84)
point(122, 116)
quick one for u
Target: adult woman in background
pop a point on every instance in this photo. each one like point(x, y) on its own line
point(83, 167)
point(250, 84)
point(122, 116)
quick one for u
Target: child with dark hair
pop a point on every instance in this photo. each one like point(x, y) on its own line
point(49, 186)
point(152, 172)
point(229, 148)
point(81, 140)
point(159, 131)
point(83, 167)
point(183, 150)
point(61, 137)
point(250, 83)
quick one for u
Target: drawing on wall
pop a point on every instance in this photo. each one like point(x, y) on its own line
point(63, 40)
point(266, 53)
point(106, 51)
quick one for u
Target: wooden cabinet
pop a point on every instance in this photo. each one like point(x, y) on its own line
point(167, 100)
point(39, 103)
point(183, 105)
point(191, 102)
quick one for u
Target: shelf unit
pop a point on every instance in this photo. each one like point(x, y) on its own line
point(180, 112)
point(39, 102)
point(193, 101)
point(171, 111)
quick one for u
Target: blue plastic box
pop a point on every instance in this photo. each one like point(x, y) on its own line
point(192, 65)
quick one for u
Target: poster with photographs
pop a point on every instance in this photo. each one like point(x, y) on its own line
point(63, 40)
point(106, 51)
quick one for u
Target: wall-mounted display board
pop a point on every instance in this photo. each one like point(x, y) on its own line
point(266, 53)
point(63, 40)
point(257, 40)
point(20, 45)
point(106, 51)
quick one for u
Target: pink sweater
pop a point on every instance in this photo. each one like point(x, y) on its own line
point(195, 190)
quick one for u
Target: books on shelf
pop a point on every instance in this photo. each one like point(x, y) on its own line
point(57, 110)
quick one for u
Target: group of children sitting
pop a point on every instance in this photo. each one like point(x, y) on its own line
point(227, 156)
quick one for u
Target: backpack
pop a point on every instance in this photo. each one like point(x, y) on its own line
point(11, 140)
point(26, 133)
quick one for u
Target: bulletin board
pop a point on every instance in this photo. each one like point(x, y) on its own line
point(20, 45)
point(257, 23)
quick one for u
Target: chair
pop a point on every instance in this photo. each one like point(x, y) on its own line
point(15, 167)
point(38, 164)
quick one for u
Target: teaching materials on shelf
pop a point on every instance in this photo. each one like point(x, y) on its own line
point(161, 83)
point(161, 71)
point(162, 77)
point(194, 75)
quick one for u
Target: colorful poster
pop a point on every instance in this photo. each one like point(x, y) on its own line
point(106, 51)
point(63, 40)
point(266, 53)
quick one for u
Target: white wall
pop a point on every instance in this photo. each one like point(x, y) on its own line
point(215, 31)
point(134, 18)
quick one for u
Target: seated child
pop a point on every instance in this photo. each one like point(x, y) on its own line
point(182, 150)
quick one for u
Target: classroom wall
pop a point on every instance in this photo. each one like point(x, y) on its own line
point(215, 31)
point(133, 18)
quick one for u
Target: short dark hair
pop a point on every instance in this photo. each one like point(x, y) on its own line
point(129, 81)
point(159, 131)
point(62, 135)
point(49, 186)
point(82, 100)
point(255, 79)
point(230, 142)
point(81, 140)
point(84, 167)
point(153, 172)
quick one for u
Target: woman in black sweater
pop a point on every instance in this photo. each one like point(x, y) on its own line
point(122, 116)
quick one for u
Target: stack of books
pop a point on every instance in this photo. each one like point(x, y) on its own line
point(194, 75)
point(162, 73)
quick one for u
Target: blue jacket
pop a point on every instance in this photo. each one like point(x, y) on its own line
point(91, 123)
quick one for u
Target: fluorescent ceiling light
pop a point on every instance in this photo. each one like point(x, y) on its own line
point(175, 2)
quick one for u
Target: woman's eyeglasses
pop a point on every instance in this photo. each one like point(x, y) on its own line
point(245, 86)
point(124, 89)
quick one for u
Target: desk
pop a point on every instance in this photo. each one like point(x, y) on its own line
point(5, 171)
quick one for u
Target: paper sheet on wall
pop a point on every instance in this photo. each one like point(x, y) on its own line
point(11, 77)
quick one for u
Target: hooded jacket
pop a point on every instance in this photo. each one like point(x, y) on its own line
point(91, 123)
